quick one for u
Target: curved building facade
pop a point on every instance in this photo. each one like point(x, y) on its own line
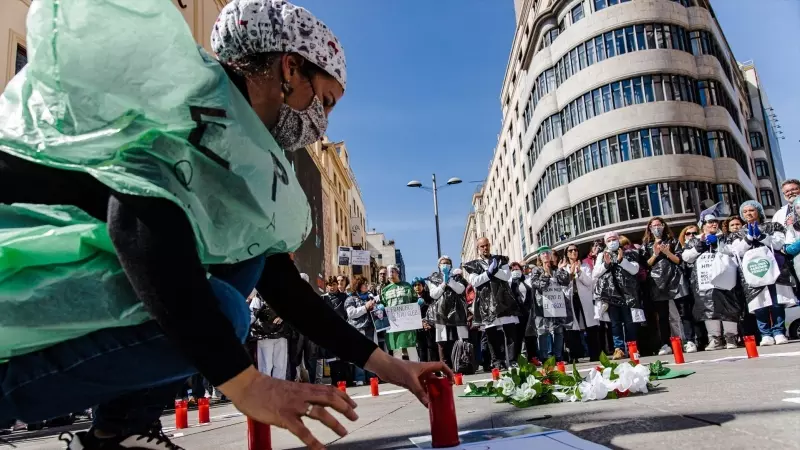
point(615, 111)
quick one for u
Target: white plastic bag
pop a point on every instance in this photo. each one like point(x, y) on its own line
point(760, 267)
point(723, 272)
point(638, 315)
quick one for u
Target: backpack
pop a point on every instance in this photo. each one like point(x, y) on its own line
point(463, 358)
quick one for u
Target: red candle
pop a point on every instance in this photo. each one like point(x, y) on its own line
point(342, 386)
point(633, 352)
point(677, 349)
point(459, 378)
point(495, 374)
point(373, 386)
point(203, 413)
point(181, 414)
point(442, 410)
point(258, 436)
point(750, 346)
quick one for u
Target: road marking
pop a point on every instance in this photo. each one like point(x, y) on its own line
point(396, 391)
point(792, 399)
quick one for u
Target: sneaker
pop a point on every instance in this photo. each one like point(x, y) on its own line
point(618, 354)
point(359, 383)
point(730, 342)
point(714, 344)
point(85, 440)
point(781, 339)
point(768, 340)
point(690, 347)
point(665, 350)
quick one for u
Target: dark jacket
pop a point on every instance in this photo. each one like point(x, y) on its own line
point(493, 296)
point(664, 278)
point(712, 304)
point(450, 308)
point(784, 279)
point(264, 326)
point(614, 283)
point(336, 302)
point(525, 301)
point(540, 281)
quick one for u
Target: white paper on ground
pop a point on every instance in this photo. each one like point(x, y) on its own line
point(515, 438)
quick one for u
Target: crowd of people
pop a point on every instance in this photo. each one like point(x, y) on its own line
point(709, 284)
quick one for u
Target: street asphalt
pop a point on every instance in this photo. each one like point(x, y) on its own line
point(731, 403)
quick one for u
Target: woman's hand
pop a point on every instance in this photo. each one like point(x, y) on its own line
point(410, 375)
point(284, 403)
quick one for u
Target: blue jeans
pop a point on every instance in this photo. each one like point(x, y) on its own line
point(621, 318)
point(551, 345)
point(130, 372)
point(771, 320)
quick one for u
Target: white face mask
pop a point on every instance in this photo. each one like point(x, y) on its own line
point(656, 230)
point(613, 246)
point(296, 129)
point(516, 274)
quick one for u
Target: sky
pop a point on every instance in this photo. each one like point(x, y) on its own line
point(424, 80)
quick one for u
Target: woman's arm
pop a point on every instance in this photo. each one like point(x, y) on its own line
point(155, 245)
point(296, 302)
point(436, 291)
point(353, 310)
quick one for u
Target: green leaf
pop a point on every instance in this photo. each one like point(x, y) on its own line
point(577, 393)
point(604, 360)
point(523, 363)
point(612, 395)
point(472, 387)
point(575, 373)
point(550, 364)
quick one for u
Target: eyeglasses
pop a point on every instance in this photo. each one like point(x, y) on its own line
point(572, 250)
point(691, 233)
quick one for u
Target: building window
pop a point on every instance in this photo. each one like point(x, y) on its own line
point(577, 13)
point(767, 198)
point(756, 140)
point(762, 169)
point(21, 59)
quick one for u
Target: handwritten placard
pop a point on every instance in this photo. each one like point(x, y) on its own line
point(404, 317)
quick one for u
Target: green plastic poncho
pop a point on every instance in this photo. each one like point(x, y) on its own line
point(395, 294)
point(119, 89)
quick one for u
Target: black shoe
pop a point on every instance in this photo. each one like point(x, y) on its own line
point(85, 440)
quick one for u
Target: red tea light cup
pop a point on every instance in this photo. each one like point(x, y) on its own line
point(442, 412)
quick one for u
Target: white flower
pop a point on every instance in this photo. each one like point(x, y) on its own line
point(594, 387)
point(561, 396)
point(507, 385)
point(532, 381)
point(467, 390)
point(524, 393)
point(633, 379)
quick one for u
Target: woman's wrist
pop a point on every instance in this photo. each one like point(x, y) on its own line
point(236, 388)
point(379, 362)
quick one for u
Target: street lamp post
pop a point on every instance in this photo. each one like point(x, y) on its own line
point(435, 190)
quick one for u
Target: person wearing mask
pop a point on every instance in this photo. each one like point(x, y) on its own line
point(665, 280)
point(447, 287)
point(523, 292)
point(614, 275)
point(426, 337)
point(716, 300)
point(184, 225)
point(552, 313)
point(402, 344)
point(792, 247)
point(272, 339)
point(766, 278)
point(686, 303)
point(790, 190)
point(583, 301)
point(495, 307)
point(358, 307)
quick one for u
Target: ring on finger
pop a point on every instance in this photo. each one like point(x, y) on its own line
point(308, 410)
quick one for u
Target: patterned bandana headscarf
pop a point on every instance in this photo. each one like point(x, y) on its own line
point(247, 27)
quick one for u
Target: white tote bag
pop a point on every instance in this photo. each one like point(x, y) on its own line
point(553, 301)
point(760, 267)
point(715, 271)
